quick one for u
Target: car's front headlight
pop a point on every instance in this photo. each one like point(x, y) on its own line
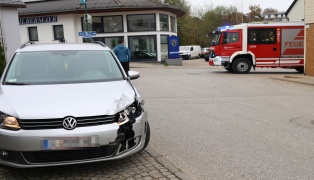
point(130, 113)
point(9, 122)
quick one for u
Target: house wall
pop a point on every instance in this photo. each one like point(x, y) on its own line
point(297, 12)
point(309, 37)
point(10, 31)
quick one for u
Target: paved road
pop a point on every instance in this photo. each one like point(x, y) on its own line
point(145, 165)
point(216, 125)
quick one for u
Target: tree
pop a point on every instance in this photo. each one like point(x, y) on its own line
point(269, 11)
point(255, 13)
point(2, 60)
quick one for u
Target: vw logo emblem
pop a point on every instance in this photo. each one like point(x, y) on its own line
point(69, 123)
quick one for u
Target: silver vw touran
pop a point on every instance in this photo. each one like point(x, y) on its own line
point(65, 104)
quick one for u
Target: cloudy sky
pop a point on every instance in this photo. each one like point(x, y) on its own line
point(243, 5)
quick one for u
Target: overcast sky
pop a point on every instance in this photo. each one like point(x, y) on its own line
point(243, 5)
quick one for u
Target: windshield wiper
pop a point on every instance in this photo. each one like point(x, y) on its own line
point(15, 83)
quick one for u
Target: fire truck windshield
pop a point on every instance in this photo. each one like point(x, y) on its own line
point(215, 40)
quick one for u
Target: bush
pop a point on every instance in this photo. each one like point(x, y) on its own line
point(2, 60)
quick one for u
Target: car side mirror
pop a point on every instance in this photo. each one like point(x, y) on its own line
point(134, 75)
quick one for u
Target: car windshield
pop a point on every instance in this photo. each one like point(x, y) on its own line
point(62, 67)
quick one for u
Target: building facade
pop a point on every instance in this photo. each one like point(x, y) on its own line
point(144, 24)
point(275, 17)
point(309, 37)
point(295, 12)
point(9, 27)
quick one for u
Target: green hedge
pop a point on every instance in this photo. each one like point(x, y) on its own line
point(2, 60)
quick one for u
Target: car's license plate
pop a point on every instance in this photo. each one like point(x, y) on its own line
point(64, 143)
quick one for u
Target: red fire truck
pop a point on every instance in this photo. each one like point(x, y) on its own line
point(240, 47)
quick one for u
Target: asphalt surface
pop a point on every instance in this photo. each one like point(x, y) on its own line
point(204, 126)
point(212, 124)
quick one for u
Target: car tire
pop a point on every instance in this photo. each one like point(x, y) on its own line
point(241, 66)
point(206, 58)
point(147, 138)
point(300, 70)
point(189, 57)
point(199, 56)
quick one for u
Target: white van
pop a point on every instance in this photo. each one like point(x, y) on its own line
point(191, 51)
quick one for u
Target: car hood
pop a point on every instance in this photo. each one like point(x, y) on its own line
point(55, 101)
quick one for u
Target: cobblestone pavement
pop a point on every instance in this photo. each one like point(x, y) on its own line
point(146, 165)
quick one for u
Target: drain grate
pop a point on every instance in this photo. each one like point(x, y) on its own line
point(306, 122)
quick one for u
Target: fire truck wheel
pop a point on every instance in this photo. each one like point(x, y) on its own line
point(241, 66)
point(300, 70)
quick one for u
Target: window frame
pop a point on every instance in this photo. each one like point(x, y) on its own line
point(128, 24)
point(29, 34)
point(55, 34)
point(160, 22)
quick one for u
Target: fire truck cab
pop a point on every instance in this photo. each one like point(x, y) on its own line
point(240, 47)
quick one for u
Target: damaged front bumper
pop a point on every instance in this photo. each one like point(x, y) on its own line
point(28, 148)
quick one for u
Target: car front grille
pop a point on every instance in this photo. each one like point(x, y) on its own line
point(69, 155)
point(38, 124)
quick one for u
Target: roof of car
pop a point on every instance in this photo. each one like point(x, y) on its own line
point(61, 46)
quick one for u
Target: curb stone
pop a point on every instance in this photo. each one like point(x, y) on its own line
point(297, 79)
point(166, 163)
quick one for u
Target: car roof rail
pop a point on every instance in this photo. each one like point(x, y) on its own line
point(100, 43)
point(27, 43)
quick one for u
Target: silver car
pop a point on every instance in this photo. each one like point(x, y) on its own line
point(67, 104)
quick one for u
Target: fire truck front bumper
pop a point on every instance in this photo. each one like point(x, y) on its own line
point(216, 61)
point(225, 62)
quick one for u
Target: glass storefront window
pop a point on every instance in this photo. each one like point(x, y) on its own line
point(113, 24)
point(111, 42)
point(164, 22)
point(97, 25)
point(143, 48)
point(173, 24)
point(142, 22)
point(164, 46)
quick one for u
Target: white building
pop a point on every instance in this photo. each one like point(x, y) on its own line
point(275, 17)
point(144, 24)
point(296, 11)
point(9, 27)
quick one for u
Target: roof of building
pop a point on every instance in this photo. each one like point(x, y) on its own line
point(12, 3)
point(291, 6)
point(94, 6)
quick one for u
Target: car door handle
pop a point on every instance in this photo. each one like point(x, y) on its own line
point(274, 49)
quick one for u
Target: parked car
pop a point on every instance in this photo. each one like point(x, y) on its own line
point(66, 104)
point(189, 52)
point(204, 51)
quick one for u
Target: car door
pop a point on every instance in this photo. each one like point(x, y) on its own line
point(232, 42)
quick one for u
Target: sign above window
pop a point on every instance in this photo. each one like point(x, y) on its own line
point(38, 20)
